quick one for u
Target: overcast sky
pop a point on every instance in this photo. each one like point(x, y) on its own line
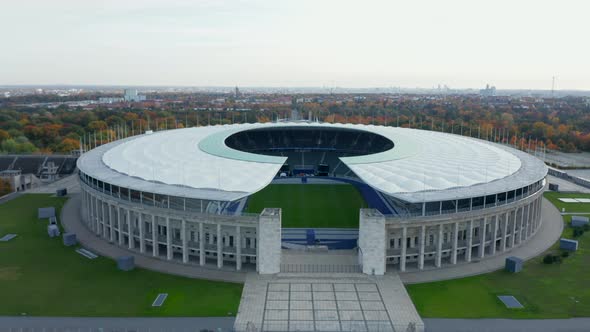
point(417, 43)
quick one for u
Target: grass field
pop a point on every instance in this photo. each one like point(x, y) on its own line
point(40, 276)
point(311, 205)
point(546, 291)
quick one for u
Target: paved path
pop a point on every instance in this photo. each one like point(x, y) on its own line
point(548, 233)
point(507, 325)
point(71, 221)
point(69, 182)
point(325, 302)
point(565, 185)
point(114, 324)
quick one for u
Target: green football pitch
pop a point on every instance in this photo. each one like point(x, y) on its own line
point(311, 205)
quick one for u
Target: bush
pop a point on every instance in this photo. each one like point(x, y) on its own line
point(578, 232)
point(551, 258)
point(565, 254)
point(548, 259)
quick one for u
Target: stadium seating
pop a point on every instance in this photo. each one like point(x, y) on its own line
point(33, 164)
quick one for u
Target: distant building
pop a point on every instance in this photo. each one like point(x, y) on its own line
point(109, 100)
point(489, 91)
point(131, 95)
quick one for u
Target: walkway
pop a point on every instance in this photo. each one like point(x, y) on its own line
point(549, 232)
point(225, 324)
point(507, 325)
point(112, 324)
point(70, 219)
point(326, 302)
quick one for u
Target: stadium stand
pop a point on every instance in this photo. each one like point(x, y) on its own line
point(306, 149)
point(37, 164)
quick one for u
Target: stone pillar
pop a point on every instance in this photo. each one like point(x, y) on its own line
point(130, 230)
point(513, 236)
point(482, 237)
point(268, 249)
point(238, 244)
point(494, 235)
point(155, 238)
point(169, 254)
point(469, 241)
point(372, 242)
point(504, 231)
point(219, 247)
point(454, 243)
point(526, 222)
point(421, 250)
point(521, 225)
point(111, 224)
point(91, 208)
point(402, 257)
point(102, 220)
point(183, 234)
point(439, 241)
point(201, 244)
point(120, 227)
point(141, 233)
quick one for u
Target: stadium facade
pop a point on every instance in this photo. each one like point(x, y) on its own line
point(434, 198)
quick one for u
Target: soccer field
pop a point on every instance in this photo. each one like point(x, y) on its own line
point(311, 205)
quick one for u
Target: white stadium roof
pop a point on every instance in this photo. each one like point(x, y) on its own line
point(422, 166)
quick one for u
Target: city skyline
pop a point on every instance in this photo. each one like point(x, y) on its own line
point(296, 44)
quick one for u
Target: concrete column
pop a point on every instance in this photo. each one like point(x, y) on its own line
point(504, 231)
point(90, 220)
point(513, 236)
point(526, 222)
point(268, 250)
point(120, 226)
point(469, 241)
point(130, 230)
point(219, 247)
point(521, 225)
point(183, 234)
point(201, 244)
point(439, 241)
point(402, 257)
point(111, 224)
point(169, 254)
point(494, 235)
point(372, 242)
point(482, 237)
point(455, 235)
point(97, 216)
point(155, 238)
point(422, 243)
point(102, 220)
point(238, 244)
point(88, 204)
point(141, 233)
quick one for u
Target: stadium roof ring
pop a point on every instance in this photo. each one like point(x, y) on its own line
point(197, 178)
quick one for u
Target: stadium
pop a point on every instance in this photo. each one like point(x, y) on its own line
point(240, 196)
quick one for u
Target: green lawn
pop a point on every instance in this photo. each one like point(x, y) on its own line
point(546, 291)
point(311, 205)
point(40, 276)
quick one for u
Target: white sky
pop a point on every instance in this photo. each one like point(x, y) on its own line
point(357, 43)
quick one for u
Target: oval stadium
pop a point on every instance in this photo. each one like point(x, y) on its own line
point(246, 196)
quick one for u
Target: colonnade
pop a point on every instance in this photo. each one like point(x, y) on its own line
point(177, 236)
point(431, 242)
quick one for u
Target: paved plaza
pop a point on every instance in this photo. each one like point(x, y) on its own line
point(320, 302)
